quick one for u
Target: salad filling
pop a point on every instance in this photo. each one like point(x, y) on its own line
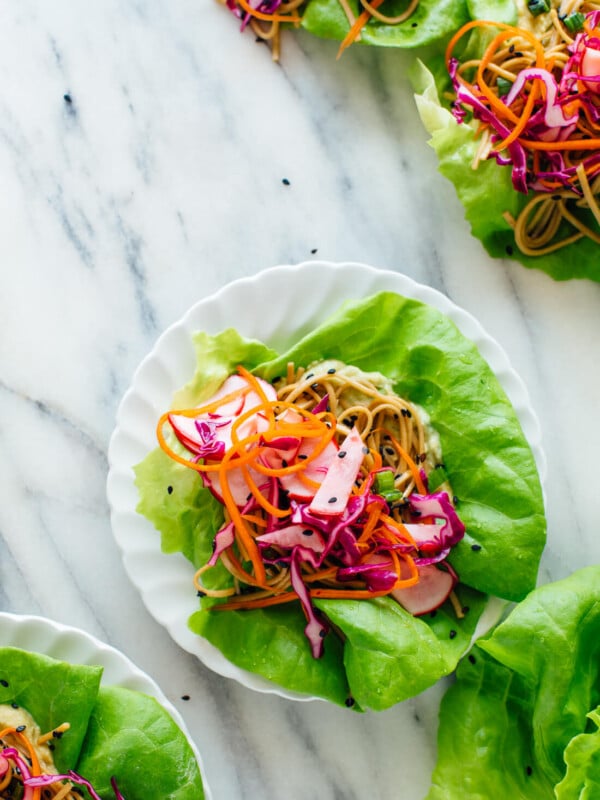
point(27, 763)
point(332, 486)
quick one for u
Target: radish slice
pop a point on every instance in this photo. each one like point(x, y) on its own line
point(234, 383)
point(294, 536)
point(315, 470)
point(236, 480)
point(429, 593)
point(590, 68)
point(332, 496)
point(201, 435)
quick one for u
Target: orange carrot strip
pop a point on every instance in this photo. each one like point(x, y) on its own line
point(414, 469)
point(356, 28)
point(569, 144)
point(35, 764)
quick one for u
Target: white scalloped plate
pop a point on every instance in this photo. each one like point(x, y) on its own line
point(277, 306)
point(40, 635)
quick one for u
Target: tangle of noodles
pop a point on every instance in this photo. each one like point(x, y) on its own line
point(555, 139)
point(266, 18)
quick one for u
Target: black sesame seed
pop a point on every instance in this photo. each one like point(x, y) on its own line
point(414, 24)
point(51, 746)
point(169, 490)
point(390, 451)
point(301, 457)
point(452, 634)
point(67, 98)
point(455, 499)
point(57, 734)
point(314, 250)
point(200, 594)
point(284, 463)
point(331, 371)
point(285, 181)
point(309, 376)
point(405, 412)
point(3, 683)
point(476, 548)
point(332, 500)
point(20, 728)
point(307, 532)
point(15, 705)
point(341, 453)
point(322, 633)
point(528, 770)
point(350, 701)
point(314, 386)
point(509, 250)
point(472, 659)
point(185, 697)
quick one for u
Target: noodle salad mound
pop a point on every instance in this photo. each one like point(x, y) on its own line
point(347, 503)
point(525, 90)
point(325, 477)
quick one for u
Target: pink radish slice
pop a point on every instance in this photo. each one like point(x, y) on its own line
point(294, 536)
point(332, 496)
point(234, 383)
point(206, 438)
point(315, 470)
point(429, 593)
point(237, 483)
point(590, 68)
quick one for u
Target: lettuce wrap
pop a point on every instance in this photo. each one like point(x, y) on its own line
point(523, 717)
point(487, 192)
point(112, 731)
point(382, 654)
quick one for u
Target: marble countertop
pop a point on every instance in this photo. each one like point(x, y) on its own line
point(143, 152)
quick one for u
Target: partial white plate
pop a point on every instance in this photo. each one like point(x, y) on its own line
point(40, 635)
point(277, 306)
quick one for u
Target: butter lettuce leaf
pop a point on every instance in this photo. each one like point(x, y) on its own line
point(432, 20)
point(521, 719)
point(133, 738)
point(492, 472)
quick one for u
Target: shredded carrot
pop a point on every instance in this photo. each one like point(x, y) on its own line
point(33, 759)
point(356, 28)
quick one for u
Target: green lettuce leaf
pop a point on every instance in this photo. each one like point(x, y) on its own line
point(492, 472)
point(487, 192)
point(133, 738)
point(517, 721)
point(582, 757)
point(53, 692)
point(432, 20)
